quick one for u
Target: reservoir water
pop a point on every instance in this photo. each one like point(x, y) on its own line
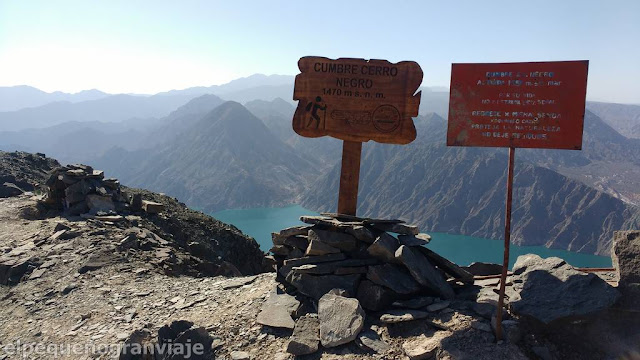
point(259, 223)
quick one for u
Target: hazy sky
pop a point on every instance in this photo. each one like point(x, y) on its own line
point(151, 46)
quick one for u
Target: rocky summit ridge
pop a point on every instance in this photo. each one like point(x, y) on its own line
point(110, 275)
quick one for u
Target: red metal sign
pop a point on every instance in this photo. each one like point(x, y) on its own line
point(525, 105)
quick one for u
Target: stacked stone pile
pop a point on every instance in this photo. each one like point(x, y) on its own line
point(343, 276)
point(81, 190)
point(363, 258)
point(347, 266)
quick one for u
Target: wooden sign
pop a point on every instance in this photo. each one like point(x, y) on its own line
point(356, 99)
point(519, 105)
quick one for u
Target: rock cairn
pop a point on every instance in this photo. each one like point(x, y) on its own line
point(342, 276)
point(81, 190)
point(344, 267)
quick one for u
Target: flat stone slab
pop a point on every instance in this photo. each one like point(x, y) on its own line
point(289, 264)
point(275, 316)
point(370, 340)
point(361, 233)
point(390, 276)
point(423, 272)
point(330, 267)
point(384, 248)
point(342, 241)
point(397, 228)
point(341, 319)
point(415, 303)
point(276, 311)
point(402, 315)
point(316, 286)
point(414, 240)
point(316, 248)
point(438, 306)
point(447, 266)
point(424, 347)
point(306, 336)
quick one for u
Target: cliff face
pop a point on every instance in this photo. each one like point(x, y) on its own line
point(462, 190)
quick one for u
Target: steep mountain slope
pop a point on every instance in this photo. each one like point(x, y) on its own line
point(228, 159)
point(622, 117)
point(14, 98)
point(608, 161)
point(109, 109)
point(462, 190)
point(277, 115)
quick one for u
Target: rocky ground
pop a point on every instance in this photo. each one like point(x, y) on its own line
point(65, 302)
point(78, 287)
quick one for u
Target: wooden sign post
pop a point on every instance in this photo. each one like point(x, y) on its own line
point(356, 100)
point(517, 105)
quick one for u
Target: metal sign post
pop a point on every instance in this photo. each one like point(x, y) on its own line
point(356, 100)
point(517, 105)
point(507, 242)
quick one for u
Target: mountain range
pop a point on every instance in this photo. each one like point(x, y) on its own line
point(216, 154)
point(462, 190)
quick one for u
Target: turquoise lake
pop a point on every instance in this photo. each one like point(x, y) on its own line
point(261, 222)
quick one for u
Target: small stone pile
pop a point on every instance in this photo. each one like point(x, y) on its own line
point(346, 265)
point(81, 190)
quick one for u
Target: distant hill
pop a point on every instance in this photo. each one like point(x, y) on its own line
point(113, 108)
point(622, 117)
point(227, 159)
point(462, 190)
point(255, 80)
point(14, 98)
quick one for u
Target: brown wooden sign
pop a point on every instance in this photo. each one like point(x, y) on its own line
point(525, 105)
point(356, 99)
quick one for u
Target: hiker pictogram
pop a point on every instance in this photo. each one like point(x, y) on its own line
point(313, 107)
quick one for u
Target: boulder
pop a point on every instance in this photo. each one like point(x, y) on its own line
point(392, 277)
point(341, 319)
point(626, 260)
point(97, 203)
point(423, 272)
point(550, 289)
point(384, 248)
point(306, 336)
point(152, 207)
